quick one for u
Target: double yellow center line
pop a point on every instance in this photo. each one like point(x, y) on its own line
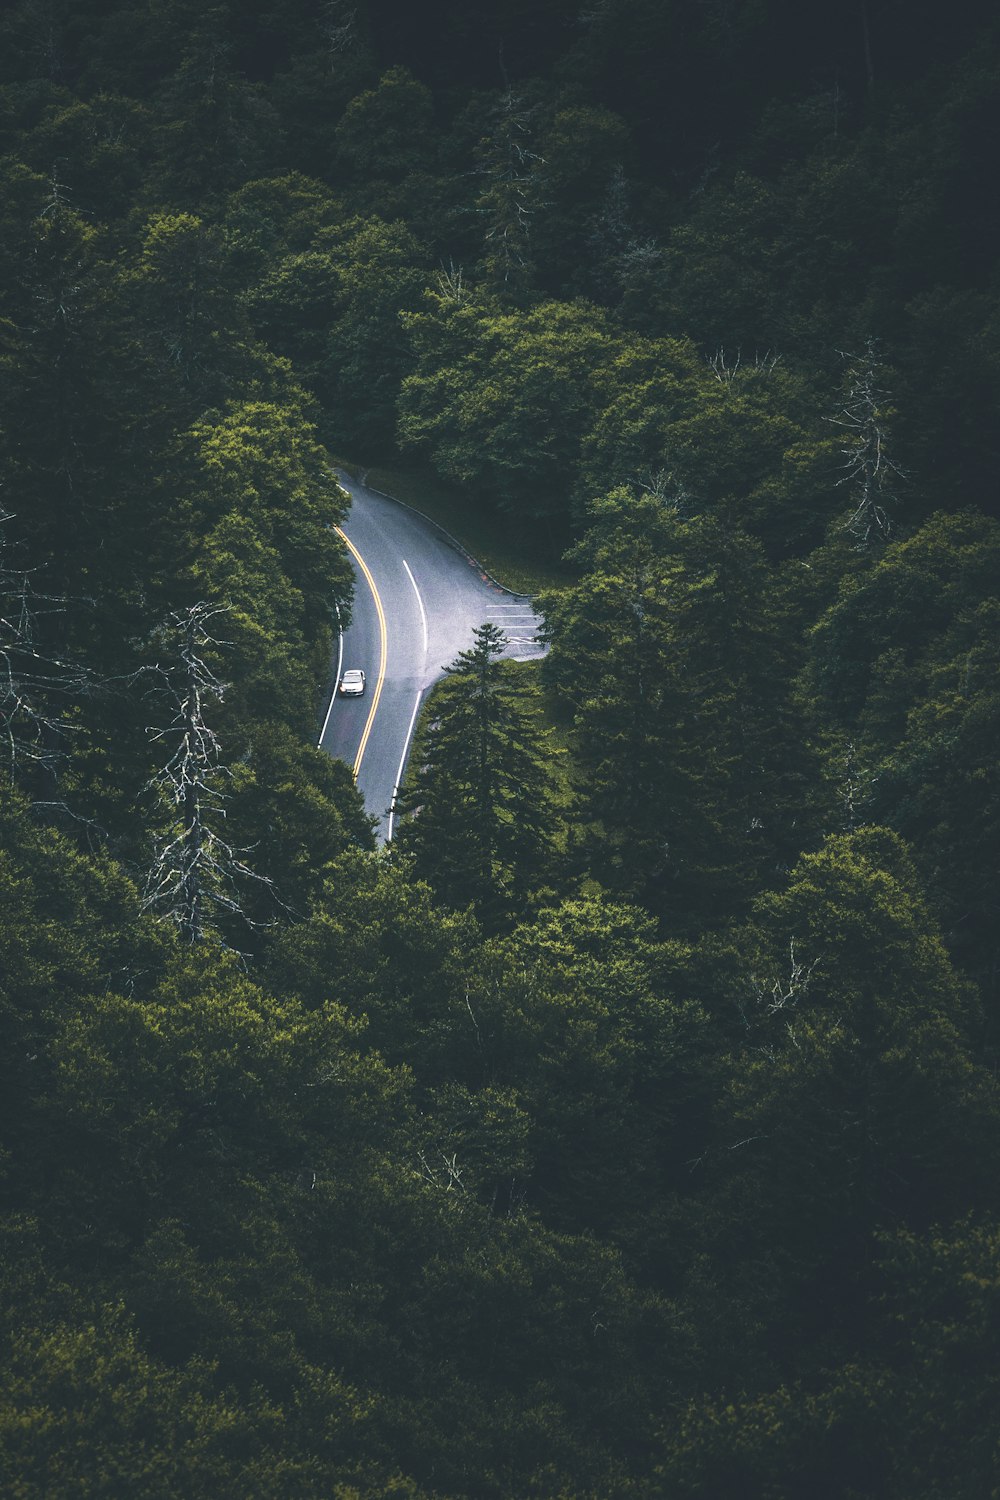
point(383, 648)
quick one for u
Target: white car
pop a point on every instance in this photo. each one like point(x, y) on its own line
point(352, 684)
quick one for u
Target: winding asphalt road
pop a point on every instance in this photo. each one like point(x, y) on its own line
point(417, 601)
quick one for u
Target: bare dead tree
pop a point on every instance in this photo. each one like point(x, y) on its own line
point(451, 284)
point(663, 485)
point(851, 787)
point(775, 997)
point(780, 992)
point(864, 420)
point(621, 257)
point(508, 196)
point(195, 872)
point(594, 15)
point(727, 368)
point(447, 1176)
point(338, 23)
point(59, 193)
point(37, 686)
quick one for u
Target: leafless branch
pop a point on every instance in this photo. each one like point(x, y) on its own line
point(451, 285)
point(338, 24)
point(34, 681)
point(448, 1176)
point(868, 469)
point(778, 993)
point(509, 195)
point(194, 869)
point(727, 369)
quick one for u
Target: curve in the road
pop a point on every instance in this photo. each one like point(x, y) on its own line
point(424, 597)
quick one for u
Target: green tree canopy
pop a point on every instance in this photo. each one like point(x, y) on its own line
point(481, 794)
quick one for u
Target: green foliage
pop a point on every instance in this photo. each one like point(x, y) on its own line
point(646, 390)
point(85, 1410)
point(261, 504)
point(502, 401)
point(481, 794)
point(98, 147)
point(868, 649)
point(289, 1253)
point(216, 129)
point(298, 808)
point(377, 940)
point(274, 217)
point(719, 277)
point(380, 275)
point(939, 784)
point(578, 152)
point(768, 1445)
point(901, 666)
point(385, 132)
point(463, 1180)
point(541, 406)
point(938, 1299)
point(326, 61)
point(913, 1419)
point(335, 309)
point(669, 655)
point(856, 1099)
point(610, 1073)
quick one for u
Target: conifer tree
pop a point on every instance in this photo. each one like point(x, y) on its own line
point(610, 665)
point(482, 813)
point(669, 655)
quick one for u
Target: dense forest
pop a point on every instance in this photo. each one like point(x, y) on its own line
point(629, 1125)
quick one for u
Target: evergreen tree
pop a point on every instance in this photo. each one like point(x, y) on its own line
point(856, 1102)
point(482, 816)
point(670, 656)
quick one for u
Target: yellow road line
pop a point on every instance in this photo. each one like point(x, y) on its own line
point(382, 646)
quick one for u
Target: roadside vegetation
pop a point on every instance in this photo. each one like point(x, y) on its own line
point(524, 559)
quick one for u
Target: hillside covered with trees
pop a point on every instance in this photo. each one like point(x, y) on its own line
point(630, 1125)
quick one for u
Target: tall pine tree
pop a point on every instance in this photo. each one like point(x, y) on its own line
point(482, 811)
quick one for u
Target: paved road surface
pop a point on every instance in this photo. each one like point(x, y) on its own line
point(417, 601)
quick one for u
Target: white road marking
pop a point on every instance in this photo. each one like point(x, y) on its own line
point(336, 680)
point(420, 602)
point(402, 759)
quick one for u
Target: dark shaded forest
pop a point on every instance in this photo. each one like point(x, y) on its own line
point(630, 1125)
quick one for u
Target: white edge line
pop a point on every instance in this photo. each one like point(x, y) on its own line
point(402, 760)
point(420, 602)
point(333, 695)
